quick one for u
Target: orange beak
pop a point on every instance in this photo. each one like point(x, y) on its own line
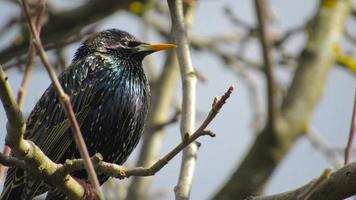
point(155, 47)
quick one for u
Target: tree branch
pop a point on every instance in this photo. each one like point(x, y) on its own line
point(340, 184)
point(189, 79)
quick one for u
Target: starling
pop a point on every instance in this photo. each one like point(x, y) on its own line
point(109, 94)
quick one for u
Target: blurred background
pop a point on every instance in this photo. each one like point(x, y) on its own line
point(229, 26)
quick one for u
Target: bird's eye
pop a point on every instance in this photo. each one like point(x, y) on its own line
point(133, 43)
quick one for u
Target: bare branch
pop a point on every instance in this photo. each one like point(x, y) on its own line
point(340, 184)
point(237, 21)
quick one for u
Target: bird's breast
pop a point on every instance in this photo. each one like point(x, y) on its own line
point(118, 120)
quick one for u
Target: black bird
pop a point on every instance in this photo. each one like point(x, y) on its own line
point(109, 94)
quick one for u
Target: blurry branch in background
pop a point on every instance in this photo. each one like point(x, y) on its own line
point(277, 40)
point(65, 101)
point(348, 149)
point(28, 70)
point(54, 45)
point(320, 144)
point(62, 24)
point(344, 59)
point(31, 54)
point(172, 120)
point(329, 186)
point(240, 67)
point(268, 60)
point(304, 93)
point(189, 78)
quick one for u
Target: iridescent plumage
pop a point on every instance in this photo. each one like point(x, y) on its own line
point(109, 95)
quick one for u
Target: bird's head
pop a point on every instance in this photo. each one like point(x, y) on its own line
point(118, 43)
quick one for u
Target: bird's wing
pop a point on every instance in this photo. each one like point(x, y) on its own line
point(48, 126)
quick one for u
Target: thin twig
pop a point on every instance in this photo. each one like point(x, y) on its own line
point(70, 40)
point(119, 171)
point(65, 101)
point(348, 149)
point(287, 35)
point(26, 76)
point(266, 42)
point(238, 21)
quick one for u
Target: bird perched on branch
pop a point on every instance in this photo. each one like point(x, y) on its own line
point(109, 94)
